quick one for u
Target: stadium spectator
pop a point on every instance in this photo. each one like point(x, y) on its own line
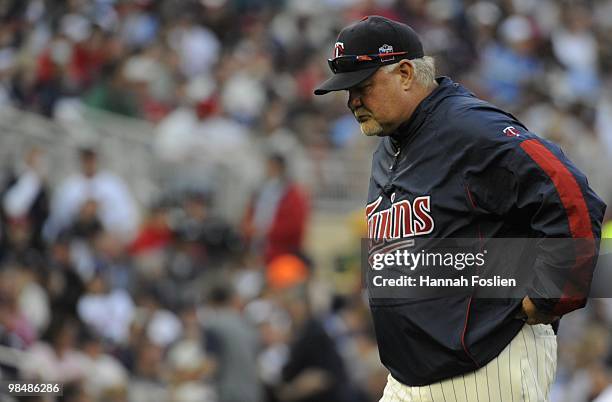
point(57, 358)
point(109, 312)
point(275, 222)
point(115, 207)
point(314, 371)
point(26, 198)
point(237, 379)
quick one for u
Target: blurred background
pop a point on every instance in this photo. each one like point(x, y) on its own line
point(180, 216)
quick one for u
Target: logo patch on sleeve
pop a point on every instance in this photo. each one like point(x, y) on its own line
point(511, 132)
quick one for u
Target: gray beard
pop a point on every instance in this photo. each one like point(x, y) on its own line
point(371, 128)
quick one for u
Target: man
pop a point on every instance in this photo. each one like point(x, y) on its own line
point(314, 370)
point(467, 169)
point(236, 375)
point(25, 200)
point(276, 219)
point(105, 192)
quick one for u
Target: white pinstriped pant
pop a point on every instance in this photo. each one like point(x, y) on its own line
point(523, 372)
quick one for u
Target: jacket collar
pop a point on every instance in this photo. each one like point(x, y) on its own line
point(446, 87)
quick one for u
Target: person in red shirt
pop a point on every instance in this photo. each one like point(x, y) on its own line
point(276, 218)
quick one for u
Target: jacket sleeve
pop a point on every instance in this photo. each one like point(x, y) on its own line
point(530, 179)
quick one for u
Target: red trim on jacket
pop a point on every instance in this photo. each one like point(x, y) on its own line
point(578, 216)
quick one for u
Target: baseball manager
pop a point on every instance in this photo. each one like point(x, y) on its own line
point(468, 169)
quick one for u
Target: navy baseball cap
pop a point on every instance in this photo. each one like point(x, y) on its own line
point(364, 47)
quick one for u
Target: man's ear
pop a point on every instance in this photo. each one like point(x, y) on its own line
point(406, 71)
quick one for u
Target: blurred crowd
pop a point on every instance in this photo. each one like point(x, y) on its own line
point(168, 302)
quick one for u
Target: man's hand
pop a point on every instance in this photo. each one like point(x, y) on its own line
point(532, 316)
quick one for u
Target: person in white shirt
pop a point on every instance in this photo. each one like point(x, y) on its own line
point(117, 209)
point(26, 197)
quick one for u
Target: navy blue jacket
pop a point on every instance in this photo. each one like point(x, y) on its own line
point(469, 169)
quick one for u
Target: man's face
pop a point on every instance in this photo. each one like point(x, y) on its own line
point(89, 165)
point(375, 103)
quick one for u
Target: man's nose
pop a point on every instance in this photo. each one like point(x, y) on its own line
point(354, 100)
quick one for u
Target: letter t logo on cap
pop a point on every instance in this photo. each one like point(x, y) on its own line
point(338, 49)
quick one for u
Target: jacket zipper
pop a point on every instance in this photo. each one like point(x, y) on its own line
point(395, 158)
